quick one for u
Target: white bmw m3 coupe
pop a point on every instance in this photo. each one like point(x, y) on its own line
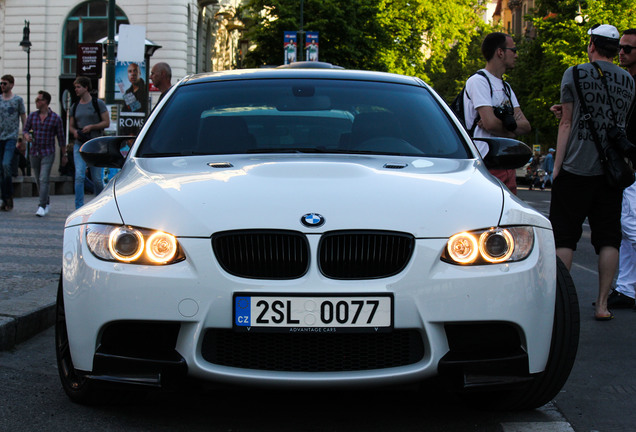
point(302, 227)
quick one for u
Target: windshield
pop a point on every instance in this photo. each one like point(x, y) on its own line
point(302, 116)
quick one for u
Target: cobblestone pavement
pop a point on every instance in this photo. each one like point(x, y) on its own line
point(30, 264)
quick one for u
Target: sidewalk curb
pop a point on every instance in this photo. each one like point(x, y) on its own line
point(25, 316)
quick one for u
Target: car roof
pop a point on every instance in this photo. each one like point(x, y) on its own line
point(271, 73)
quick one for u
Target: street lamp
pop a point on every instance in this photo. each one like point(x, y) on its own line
point(301, 32)
point(26, 46)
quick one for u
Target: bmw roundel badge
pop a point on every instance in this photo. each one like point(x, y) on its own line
point(312, 220)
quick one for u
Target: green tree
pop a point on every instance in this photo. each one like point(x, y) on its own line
point(426, 32)
point(439, 42)
point(350, 35)
point(386, 35)
point(462, 61)
point(559, 44)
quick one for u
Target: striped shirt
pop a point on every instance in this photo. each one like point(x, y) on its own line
point(44, 133)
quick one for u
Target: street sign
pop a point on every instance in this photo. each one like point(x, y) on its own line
point(89, 60)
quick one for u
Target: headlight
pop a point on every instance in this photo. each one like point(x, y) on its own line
point(490, 246)
point(128, 244)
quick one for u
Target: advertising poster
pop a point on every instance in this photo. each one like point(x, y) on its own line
point(311, 46)
point(130, 123)
point(290, 47)
point(131, 87)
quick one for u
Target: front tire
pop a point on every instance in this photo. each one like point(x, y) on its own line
point(565, 341)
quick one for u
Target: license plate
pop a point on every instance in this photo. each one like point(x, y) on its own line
point(311, 313)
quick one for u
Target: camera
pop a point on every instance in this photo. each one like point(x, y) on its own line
point(507, 116)
point(83, 137)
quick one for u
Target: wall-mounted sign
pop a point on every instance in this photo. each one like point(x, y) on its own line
point(89, 60)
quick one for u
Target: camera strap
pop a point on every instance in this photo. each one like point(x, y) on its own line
point(587, 116)
point(507, 91)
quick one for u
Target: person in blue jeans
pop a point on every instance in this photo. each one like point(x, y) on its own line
point(41, 129)
point(11, 112)
point(89, 118)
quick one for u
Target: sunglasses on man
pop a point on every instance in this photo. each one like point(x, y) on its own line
point(626, 48)
point(4, 83)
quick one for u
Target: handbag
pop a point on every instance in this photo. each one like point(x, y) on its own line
point(617, 168)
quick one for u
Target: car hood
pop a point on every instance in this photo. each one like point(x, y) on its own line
point(198, 196)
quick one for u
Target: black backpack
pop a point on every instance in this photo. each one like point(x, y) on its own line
point(457, 105)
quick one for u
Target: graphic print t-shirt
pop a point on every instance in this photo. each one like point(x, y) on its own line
point(10, 111)
point(581, 156)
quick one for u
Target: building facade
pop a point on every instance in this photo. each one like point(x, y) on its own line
point(194, 35)
point(514, 15)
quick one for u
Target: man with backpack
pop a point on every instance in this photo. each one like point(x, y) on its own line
point(491, 108)
point(89, 118)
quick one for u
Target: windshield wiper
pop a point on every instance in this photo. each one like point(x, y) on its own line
point(167, 154)
point(289, 150)
point(324, 150)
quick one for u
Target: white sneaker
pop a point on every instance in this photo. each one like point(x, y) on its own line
point(47, 209)
point(41, 212)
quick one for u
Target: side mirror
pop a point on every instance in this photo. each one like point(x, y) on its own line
point(505, 153)
point(106, 151)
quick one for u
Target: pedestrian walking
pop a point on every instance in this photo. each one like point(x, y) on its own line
point(493, 101)
point(41, 129)
point(89, 118)
point(624, 294)
point(161, 76)
point(580, 189)
point(548, 167)
point(536, 172)
point(11, 112)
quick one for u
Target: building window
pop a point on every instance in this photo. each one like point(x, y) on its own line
point(87, 23)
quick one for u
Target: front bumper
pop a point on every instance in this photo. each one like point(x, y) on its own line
point(505, 310)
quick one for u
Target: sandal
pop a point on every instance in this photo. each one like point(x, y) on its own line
point(604, 317)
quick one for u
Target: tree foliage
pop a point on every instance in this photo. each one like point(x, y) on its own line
point(559, 43)
point(350, 34)
point(387, 35)
point(439, 41)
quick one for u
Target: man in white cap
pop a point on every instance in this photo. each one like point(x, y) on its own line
point(580, 190)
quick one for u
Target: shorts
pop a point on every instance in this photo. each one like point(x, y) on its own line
point(575, 198)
